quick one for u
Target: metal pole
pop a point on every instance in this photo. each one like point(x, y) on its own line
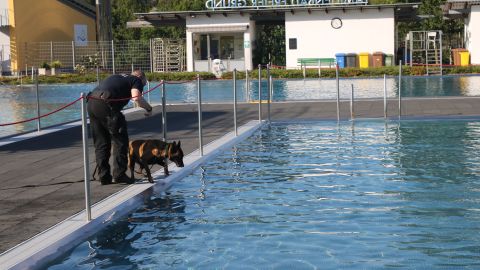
point(113, 57)
point(268, 81)
point(199, 101)
point(38, 102)
point(269, 95)
point(164, 112)
point(247, 97)
point(304, 68)
point(132, 66)
point(73, 55)
point(259, 92)
point(51, 52)
point(338, 92)
point(385, 95)
point(441, 54)
point(98, 77)
point(86, 163)
point(352, 114)
point(268, 92)
point(33, 74)
point(400, 90)
point(235, 101)
point(148, 93)
point(151, 55)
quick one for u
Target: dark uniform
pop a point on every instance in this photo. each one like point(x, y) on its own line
point(109, 125)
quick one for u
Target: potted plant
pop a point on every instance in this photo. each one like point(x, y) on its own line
point(44, 69)
point(54, 65)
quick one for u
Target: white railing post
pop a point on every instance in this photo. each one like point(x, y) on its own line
point(113, 57)
point(164, 112)
point(37, 93)
point(268, 92)
point(270, 84)
point(247, 86)
point(259, 92)
point(148, 93)
point(400, 90)
point(338, 92)
point(73, 55)
point(86, 163)
point(352, 113)
point(235, 101)
point(385, 96)
point(199, 101)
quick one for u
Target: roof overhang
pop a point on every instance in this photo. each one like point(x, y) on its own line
point(458, 9)
point(403, 12)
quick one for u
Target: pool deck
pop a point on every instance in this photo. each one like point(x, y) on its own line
point(42, 176)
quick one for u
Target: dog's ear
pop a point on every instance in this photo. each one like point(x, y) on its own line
point(178, 144)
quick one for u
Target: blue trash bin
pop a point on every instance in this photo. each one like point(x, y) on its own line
point(340, 60)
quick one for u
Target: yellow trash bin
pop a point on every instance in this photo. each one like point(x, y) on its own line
point(363, 59)
point(464, 58)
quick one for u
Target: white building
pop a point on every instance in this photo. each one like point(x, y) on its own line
point(313, 31)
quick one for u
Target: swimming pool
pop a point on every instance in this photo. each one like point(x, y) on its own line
point(19, 103)
point(359, 195)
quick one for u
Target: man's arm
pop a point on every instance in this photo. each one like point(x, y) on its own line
point(139, 100)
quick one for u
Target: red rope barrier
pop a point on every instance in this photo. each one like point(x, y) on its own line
point(70, 104)
point(42, 116)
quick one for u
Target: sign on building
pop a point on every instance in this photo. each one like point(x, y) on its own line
point(80, 34)
point(236, 4)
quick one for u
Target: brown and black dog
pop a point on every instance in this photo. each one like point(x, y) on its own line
point(149, 152)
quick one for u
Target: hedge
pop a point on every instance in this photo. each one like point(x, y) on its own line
point(276, 73)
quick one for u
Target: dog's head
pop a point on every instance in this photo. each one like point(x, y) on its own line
point(175, 153)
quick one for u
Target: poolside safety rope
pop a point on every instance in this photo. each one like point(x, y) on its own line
point(70, 104)
point(42, 116)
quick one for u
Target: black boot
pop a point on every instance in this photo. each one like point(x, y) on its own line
point(123, 178)
point(106, 179)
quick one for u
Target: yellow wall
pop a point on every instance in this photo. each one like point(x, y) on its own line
point(42, 21)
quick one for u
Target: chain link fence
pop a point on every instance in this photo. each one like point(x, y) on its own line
point(154, 55)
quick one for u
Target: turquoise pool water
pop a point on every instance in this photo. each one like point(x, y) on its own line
point(19, 103)
point(362, 195)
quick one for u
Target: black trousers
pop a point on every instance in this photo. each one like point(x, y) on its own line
point(108, 128)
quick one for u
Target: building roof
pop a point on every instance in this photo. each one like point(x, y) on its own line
point(81, 6)
point(403, 12)
point(457, 9)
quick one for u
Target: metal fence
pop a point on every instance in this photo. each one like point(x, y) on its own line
point(154, 55)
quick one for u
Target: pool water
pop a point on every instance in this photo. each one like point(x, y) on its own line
point(360, 195)
point(19, 103)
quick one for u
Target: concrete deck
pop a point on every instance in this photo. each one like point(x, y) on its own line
point(42, 177)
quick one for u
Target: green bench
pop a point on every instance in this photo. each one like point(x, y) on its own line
point(322, 62)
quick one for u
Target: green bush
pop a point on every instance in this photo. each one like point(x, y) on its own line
point(90, 77)
point(179, 76)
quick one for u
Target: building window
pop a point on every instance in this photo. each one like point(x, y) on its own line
point(292, 43)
